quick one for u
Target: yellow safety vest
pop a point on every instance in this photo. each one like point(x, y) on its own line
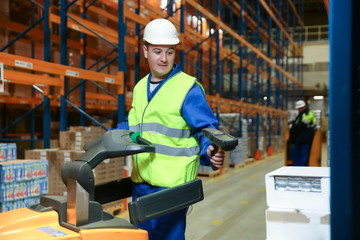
point(159, 121)
point(308, 118)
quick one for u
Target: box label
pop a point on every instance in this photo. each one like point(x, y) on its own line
point(24, 64)
point(109, 80)
point(72, 73)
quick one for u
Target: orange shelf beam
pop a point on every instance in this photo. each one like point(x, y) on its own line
point(326, 3)
point(229, 106)
point(296, 13)
point(58, 69)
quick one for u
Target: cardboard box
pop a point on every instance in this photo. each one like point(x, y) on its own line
point(285, 224)
point(22, 91)
point(109, 170)
point(299, 188)
point(42, 154)
point(90, 132)
point(71, 140)
point(56, 185)
point(54, 143)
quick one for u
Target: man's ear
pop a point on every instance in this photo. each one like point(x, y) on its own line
point(145, 49)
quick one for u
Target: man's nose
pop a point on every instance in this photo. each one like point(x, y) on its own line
point(163, 57)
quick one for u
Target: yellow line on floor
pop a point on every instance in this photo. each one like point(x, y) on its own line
point(122, 215)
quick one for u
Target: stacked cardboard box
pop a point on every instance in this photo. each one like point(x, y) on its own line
point(49, 155)
point(71, 148)
point(56, 185)
point(298, 200)
point(109, 170)
point(78, 136)
point(90, 133)
point(71, 140)
point(41, 154)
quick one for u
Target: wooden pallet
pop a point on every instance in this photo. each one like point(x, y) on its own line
point(209, 174)
point(114, 208)
point(237, 165)
point(242, 164)
point(225, 170)
point(249, 161)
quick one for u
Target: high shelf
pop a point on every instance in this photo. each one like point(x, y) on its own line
point(83, 58)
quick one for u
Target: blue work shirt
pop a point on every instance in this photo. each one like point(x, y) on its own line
point(195, 110)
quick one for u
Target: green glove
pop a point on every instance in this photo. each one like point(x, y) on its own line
point(134, 137)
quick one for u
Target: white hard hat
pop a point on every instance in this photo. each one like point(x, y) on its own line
point(161, 32)
point(300, 104)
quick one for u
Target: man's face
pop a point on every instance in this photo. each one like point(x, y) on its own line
point(160, 58)
point(301, 109)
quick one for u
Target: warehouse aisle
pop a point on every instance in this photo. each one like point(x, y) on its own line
point(234, 204)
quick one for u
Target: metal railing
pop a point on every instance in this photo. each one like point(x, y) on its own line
point(311, 33)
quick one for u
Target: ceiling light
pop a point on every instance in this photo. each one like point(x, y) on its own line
point(318, 97)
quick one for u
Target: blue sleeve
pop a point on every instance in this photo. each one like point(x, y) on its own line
point(198, 114)
point(122, 125)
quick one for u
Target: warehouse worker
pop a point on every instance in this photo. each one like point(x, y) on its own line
point(302, 131)
point(169, 109)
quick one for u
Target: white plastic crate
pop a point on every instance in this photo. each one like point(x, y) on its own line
point(299, 188)
point(294, 224)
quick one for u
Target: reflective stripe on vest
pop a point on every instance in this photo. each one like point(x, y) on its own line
point(175, 160)
point(156, 127)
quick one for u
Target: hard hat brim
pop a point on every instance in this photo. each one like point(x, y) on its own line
point(159, 42)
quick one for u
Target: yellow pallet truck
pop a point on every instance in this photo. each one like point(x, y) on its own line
point(79, 215)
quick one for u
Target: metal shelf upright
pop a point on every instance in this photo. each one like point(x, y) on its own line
point(270, 148)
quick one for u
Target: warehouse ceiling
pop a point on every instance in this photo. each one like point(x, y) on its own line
point(315, 13)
